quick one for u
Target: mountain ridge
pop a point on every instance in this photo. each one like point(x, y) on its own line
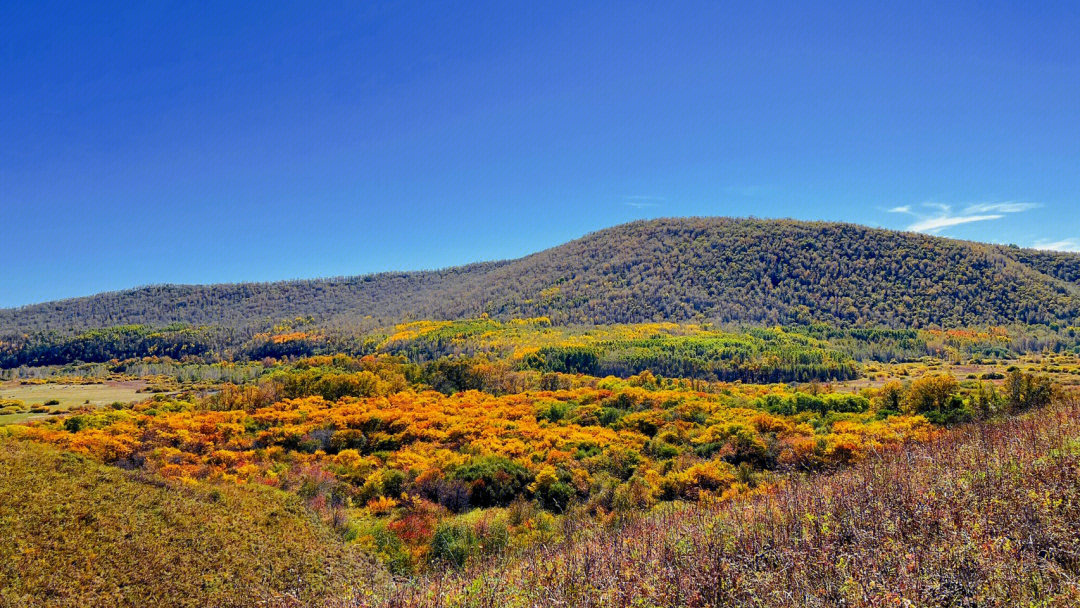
point(721, 269)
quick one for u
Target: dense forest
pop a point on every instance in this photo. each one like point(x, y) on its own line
point(714, 269)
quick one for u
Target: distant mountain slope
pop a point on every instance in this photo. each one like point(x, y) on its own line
point(386, 295)
point(760, 271)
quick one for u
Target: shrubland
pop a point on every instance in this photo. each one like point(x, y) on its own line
point(982, 514)
point(421, 478)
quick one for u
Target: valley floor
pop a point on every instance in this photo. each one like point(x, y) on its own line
point(63, 397)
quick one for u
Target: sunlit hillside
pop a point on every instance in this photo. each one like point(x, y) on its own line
point(714, 269)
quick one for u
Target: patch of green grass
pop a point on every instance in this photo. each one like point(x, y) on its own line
point(17, 418)
point(73, 395)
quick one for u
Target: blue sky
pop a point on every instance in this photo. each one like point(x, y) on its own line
point(164, 142)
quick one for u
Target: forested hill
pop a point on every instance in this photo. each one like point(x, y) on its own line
point(748, 270)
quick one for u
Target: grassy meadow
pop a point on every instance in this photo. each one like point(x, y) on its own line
point(54, 397)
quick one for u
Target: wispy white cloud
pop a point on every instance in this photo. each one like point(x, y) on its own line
point(641, 201)
point(1006, 207)
point(1062, 245)
point(933, 225)
point(941, 215)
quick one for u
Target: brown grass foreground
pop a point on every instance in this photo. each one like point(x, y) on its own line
point(984, 515)
point(74, 532)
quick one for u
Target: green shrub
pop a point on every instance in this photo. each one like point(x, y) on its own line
point(74, 424)
point(456, 541)
point(493, 480)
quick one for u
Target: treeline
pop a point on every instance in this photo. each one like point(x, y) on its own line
point(716, 269)
point(803, 353)
point(884, 344)
point(940, 398)
point(706, 359)
point(871, 344)
point(177, 342)
point(455, 349)
point(670, 350)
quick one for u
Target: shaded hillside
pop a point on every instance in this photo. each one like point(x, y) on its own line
point(1056, 264)
point(759, 271)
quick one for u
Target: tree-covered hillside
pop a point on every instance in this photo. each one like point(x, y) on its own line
point(719, 269)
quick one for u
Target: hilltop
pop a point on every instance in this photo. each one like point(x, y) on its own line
point(718, 269)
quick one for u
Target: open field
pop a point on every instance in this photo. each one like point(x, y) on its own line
point(68, 395)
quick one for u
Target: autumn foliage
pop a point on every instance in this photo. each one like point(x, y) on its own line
point(390, 468)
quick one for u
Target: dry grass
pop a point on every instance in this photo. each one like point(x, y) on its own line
point(79, 533)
